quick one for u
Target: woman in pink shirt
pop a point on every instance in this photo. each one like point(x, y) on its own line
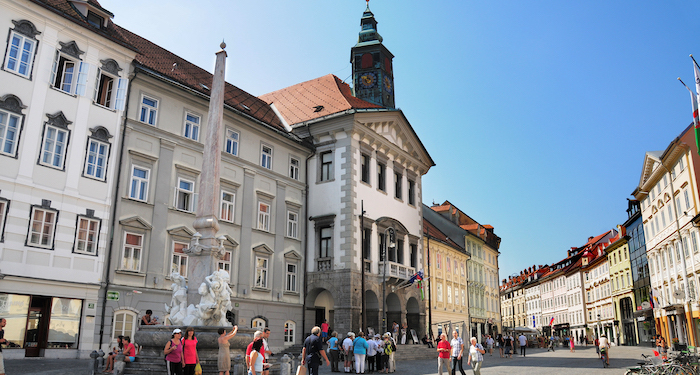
point(189, 348)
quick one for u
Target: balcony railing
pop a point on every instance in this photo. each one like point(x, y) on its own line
point(396, 270)
point(324, 264)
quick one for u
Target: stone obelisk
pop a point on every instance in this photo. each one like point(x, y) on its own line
point(206, 249)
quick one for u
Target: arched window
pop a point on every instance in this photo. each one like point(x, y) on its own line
point(289, 330)
point(124, 324)
point(259, 323)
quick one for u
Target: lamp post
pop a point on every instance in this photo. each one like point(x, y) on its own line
point(388, 243)
point(600, 327)
point(682, 250)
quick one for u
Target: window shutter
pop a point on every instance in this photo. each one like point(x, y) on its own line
point(97, 84)
point(83, 72)
point(54, 69)
point(121, 94)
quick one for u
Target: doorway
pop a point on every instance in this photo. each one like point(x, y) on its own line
point(37, 331)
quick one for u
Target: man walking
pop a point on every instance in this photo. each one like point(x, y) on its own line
point(443, 349)
point(523, 343)
point(313, 351)
point(3, 322)
point(266, 347)
point(457, 351)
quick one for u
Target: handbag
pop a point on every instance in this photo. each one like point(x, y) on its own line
point(198, 369)
point(301, 370)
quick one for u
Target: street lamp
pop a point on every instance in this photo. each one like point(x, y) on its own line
point(600, 327)
point(389, 241)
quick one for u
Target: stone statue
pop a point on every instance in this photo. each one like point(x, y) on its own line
point(178, 303)
point(214, 302)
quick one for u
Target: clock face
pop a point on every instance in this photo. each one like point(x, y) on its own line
point(388, 85)
point(368, 80)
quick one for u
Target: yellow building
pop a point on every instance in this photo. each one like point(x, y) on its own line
point(446, 274)
point(622, 290)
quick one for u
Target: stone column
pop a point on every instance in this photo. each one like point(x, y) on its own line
point(206, 249)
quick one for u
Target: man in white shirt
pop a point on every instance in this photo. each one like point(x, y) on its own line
point(522, 340)
point(347, 350)
point(604, 345)
point(489, 344)
point(457, 345)
point(371, 354)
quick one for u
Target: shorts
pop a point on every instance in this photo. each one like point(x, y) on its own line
point(131, 359)
point(490, 346)
point(324, 334)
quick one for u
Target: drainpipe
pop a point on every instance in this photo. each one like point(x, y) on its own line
point(113, 218)
point(430, 305)
point(306, 240)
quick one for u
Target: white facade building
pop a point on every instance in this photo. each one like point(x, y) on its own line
point(575, 303)
point(63, 82)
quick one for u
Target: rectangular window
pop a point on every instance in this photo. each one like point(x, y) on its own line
point(54, 147)
point(139, 183)
point(65, 72)
point(86, 235)
point(326, 165)
point(294, 168)
point(414, 256)
point(439, 292)
point(449, 294)
point(438, 260)
point(184, 197)
point(325, 241)
point(399, 251)
point(381, 247)
point(292, 224)
point(365, 168)
point(42, 227)
point(687, 199)
point(9, 132)
point(263, 216)
point(398, 177)
point(149, 110)
point(110, 91)
point(261, 272)
point(95, 20)
point(228, 204)
point(464, 301)
point(179, 263)
point(225, 262)
point(20, 54)
point(367, 233)
point(232, 138)
point(191, 129)
point(291, 284)
point(447, 264)
point(411, 192)
point(96, 159)
point(266, 156)
point(381, 176)
point(131, 259)
point(694, 242)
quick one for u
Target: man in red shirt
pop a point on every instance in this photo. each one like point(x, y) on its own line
point(256, 335)
point(444, 349)
point(324, 330)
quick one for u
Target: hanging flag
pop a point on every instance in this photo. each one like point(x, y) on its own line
point(551, 321)
point(533, 322)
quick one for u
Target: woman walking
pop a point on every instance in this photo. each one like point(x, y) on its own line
point(572, 349)
point(174, 360)
point(256, 359)
point(476, 356)
point(189, 348)
point(500, 342)
point(224, 360)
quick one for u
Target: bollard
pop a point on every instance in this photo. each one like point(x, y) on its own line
point(119, 364)
point(93, 368)
point(239, 367)
point(101, 358)
point(285, 365)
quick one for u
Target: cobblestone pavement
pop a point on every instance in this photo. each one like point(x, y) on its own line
point(537, 361)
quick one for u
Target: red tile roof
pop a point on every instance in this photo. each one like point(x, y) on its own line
point(173, 67)
point(313, 99)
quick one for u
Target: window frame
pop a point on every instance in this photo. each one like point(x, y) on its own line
point(95, 241)
point(398, 185)
point(325, 167)
point(146, 110)
point(105, 159)
point(190, 127)
point(4, 210)
point(51, 232)
point(365, 160)
point(20, 52)
point(225, 261)
point(291, 277)
point(230, 206)
point(234, 143)
point(181, 256)
point(381, 176)
point(327, 250)
point(143, 184)
point(133, 247)
point(289, 332)
point(264, 218)
point(292, 225)
point(43, 151)
point(19, 121)
point(294, 169)
point(411, 192)
point(126, 313)
point(266, 157)
point(79, 76)
point(186, 193)
point(262, 273)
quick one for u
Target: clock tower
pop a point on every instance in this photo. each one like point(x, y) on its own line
point(372, 74)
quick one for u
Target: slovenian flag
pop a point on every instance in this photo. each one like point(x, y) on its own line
point(551, 321)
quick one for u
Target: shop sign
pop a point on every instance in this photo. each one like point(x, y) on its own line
point(112, 296)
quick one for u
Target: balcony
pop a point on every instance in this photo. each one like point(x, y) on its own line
point(324, 264)
point(396, 272)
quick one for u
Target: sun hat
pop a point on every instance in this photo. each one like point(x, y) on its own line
point(177, 330)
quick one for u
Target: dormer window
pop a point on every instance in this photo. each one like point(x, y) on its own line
point(95, 20)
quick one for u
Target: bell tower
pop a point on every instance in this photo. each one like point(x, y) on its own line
point(372, 73)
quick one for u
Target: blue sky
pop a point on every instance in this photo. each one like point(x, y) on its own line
point(537, 113)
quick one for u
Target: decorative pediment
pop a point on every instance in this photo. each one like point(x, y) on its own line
point(263, 249)
point(12, 103)
point(26, 28)
point(111, 66)
point(230, 241)
point(136, 222)
point(293, 255)
point(58, 119)
point(181, 231)
point(71, 49)
point(101, 133)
